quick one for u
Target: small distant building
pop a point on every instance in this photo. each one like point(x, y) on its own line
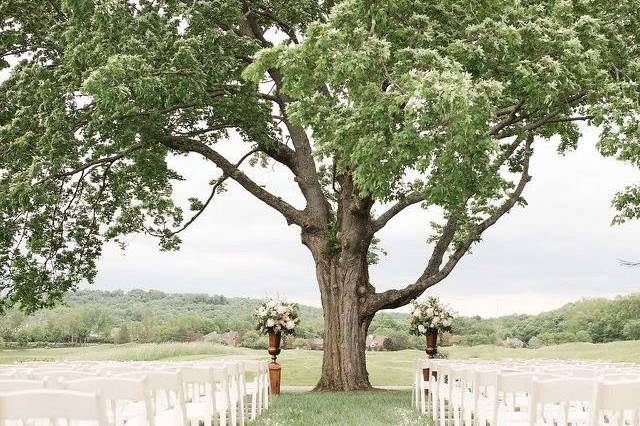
point(446, 338)
point(512, 342)
point(378, 343)
point(316, 344)
point(212, 337)
point(230, 338)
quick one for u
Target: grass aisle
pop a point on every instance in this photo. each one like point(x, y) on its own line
point(342, 408)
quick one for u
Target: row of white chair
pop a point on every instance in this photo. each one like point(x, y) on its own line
point(536, 393)
point(145, 394)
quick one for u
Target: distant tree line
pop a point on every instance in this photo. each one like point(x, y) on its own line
point(91, 316)
point(588, 320)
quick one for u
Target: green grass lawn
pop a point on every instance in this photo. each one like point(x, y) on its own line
point(346, 408)
point(302, 368)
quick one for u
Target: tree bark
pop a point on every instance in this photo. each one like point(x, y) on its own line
point(340, 254)
point(345, 328)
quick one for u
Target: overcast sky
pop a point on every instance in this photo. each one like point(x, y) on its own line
point(559, 248)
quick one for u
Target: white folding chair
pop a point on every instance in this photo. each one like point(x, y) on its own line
point(200, 394)
point(221, 380)
point(443, 396)
point(616, 403)
point(254, 389)
point(561, 401)
point(421, 385)
point(52, 405)
point(53, 378)
point(236, 392)
point(167, 395)
point(485, 395)
point(127, 400)
point(512, 398)
point(461, 383)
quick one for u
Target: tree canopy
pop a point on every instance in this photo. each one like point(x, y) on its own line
point(409, 102)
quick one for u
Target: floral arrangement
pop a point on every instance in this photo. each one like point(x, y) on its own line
point(277, 316)
point(429, 315)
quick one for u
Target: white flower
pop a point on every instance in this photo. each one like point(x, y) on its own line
point(271, 303)
point(290, 325)
point(415, 102)
point(270, 322)
point(421, 329)
point(281, 309)
point(446, 323)
point(429, 312)
point(416, 313)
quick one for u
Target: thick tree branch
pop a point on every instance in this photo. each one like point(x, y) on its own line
point(511, 117)
point(433, 274)
point(291, 214)
point(409, 200)
point(306, 172)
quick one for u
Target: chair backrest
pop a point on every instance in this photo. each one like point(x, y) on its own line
point(485, 378)
point(166, 386)
point(520, 382)
point(622, 377)
point(52, 404)
point(485, 386)
point(617, 395)
point(201, 375)
point(514, 382)
point(584, 372)
point(465, 374)
point(256, 367)
point(565, 390)
point(14, 385)
point(54, 376)
point(115, 390)
point(199, 384)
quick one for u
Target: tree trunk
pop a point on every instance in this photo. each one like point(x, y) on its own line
point(340, 250)
point(345, 329)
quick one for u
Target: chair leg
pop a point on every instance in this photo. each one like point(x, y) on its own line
point(241, 409)
point(234, 415)
point(253, 406)
point(413, 396)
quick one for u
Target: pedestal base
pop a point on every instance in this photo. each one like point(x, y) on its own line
point(274, 377)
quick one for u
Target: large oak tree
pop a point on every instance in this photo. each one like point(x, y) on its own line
point(372, 106)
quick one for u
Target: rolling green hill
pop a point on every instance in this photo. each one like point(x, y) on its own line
point(94, 316)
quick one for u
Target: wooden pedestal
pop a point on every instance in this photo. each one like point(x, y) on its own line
point(274, 377)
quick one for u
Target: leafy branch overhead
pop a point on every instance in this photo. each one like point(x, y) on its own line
point(372, 107)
